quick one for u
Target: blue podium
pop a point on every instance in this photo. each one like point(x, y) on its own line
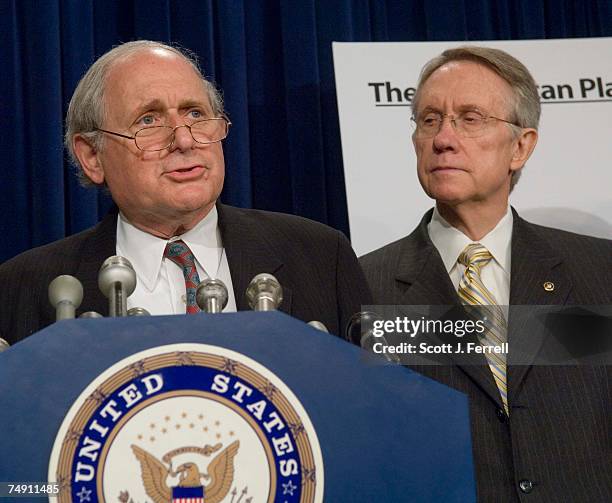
point(242, 407)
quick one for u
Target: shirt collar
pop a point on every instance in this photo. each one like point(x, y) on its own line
point(450, 241)
point(146, 251)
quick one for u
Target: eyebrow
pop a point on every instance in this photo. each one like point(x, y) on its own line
point(194, 104)
point(153, 105)
point(157, 105)
point(469, 107)
point(463, 108)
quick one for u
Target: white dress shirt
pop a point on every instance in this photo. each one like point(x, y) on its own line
point(160, 287)
point(450, 242)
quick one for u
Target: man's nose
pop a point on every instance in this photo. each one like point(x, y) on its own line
point(446, 137)
point(183, 140)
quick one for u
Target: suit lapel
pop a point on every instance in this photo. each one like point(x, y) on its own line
point(422, 279)
point(421, 276)
point(249, 253)
point(538, 278)
point(101, 244)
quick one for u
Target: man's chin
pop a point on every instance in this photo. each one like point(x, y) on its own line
point(194, 207)
point(447, 195)
point(193, 196)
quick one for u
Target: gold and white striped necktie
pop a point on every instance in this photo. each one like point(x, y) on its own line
point(472, 292)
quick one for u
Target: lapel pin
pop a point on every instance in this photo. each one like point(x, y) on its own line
point(549, 286)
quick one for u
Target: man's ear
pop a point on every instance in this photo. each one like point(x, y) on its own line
point(86, 153)
point(523, 147)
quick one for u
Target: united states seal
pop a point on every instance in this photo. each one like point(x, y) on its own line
point(187, 423)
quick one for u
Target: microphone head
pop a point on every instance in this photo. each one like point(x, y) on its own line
point(117, 269)
point(318, 325)
point(138, 311)
point(66, 288)
point(91, 314)
point(3, 345)
point(264, 286)
point(359, 324)
point(360, 331)
point(211, 289)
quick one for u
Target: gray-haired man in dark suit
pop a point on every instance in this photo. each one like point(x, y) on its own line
point(540, 433)
point(146, 124)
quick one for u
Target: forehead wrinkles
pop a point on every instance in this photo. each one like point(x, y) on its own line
point(117, 76)
point(467, 83)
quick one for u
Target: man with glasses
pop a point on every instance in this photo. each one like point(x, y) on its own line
point(537, 431)
point(144, 123)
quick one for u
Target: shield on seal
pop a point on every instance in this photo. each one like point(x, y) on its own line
point(188, 494)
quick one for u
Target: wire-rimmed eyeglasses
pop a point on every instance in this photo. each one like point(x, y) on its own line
point(468, 124)
point(156, 138)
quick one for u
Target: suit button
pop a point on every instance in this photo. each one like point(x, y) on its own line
point(501, 415)
point(526, 486)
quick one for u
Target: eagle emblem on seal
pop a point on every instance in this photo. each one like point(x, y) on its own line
point(220, 472)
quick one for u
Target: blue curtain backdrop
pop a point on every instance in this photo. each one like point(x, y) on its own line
point(273, 61)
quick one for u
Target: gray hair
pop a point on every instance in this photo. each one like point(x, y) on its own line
point(87, 108)
point(525, 108)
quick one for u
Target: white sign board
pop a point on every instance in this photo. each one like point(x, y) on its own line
point(567, 183)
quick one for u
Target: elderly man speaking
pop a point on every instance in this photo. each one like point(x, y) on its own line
point(539, 433)
point(147, 125)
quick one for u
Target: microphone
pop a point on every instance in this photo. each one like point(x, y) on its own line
point(360, 331)
point(138, 311)
point(264, 293)
point(318, 325)
point(65, 295)
point(117, 281)
point(211, 295)
point(3, 345)
point(359, 325)
point(91, 314)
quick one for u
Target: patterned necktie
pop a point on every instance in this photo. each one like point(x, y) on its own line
point(180, 254)
point(473, 292)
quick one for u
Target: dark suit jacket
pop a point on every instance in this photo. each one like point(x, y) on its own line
point(558, 436)
point(314, 264)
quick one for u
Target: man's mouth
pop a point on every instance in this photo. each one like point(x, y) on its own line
point(186, 173)
point(444, 169)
